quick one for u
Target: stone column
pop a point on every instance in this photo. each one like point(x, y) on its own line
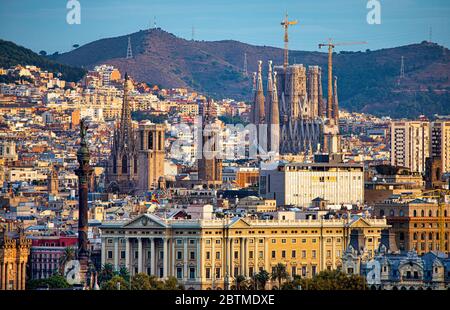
point(256, 257)
point(152, 257)
point(185, 259)
point(199, 258)
point(266, 255)
point(116, 253)
point(228, 265)
point(24, 274)
point(241, 256)
point(103, 255)
point(165, 256)
point(213, 261)
point(139, 255)
point(245, 257)
point(18, 275)
point(172, 256)
point(231, 274)
point(5, 278)
point(127, 254)
point(2, 273)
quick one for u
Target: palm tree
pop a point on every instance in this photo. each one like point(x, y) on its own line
point(262, 277)
point(68, 255)
point(107, 273)
point(240, 282)
point(279, 273)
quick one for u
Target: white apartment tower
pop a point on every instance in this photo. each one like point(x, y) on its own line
point(410, 144)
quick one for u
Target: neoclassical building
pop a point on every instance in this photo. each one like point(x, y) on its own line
point(14, 251)
point(210, 254)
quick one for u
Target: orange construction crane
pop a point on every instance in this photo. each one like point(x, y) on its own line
point(331, 45)
point(286, 23)
point(440, 195)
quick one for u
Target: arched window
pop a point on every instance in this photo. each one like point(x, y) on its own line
point(124, 164)
point(415, 236)
point(401, 213)
point(391, 213)
point(422, 236)
point(150, 140)
point(381, 212)
point(430, 213)
point(415, 213)
point(422, 213)
point(445, 213)
point(430, 236)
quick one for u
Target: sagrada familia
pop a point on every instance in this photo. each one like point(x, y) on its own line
point(293, 111)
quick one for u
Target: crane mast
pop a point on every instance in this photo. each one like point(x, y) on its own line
point(286, 23)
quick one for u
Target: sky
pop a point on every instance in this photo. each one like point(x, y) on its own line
point(41, 24)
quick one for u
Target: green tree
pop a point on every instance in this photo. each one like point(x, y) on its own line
point(124, 273)
point(241, 282)
point(261, 278)
point(116, 283)
point(106, 274)
point(140, 281)
point(172, 284)
point(53, 282)
point(43, 53)
point(279, 274)
point(334, 280)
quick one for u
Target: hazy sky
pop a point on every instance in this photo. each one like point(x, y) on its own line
point(41, 24)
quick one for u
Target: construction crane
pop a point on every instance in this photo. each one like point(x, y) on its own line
point(331, 46)
point(439, 195)
point(286, 23)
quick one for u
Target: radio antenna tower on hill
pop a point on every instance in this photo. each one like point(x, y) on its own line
point(193, 33)
point(129, 50)
point(402, 71)
point(245, 65)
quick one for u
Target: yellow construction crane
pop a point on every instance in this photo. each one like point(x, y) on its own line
point(331, 46)
point(286, 23)
point(439, 195)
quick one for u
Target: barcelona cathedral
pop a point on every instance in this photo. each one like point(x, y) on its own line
point(136, 164)
point(297, 118)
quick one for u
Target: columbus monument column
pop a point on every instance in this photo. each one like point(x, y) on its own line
point(83, 172)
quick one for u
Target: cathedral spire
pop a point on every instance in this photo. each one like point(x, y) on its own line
point(335, 103)
point(268, 108)
point(274, 126)
point(125, 119)
point(259, 104)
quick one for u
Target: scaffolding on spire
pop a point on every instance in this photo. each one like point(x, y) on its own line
point(129, 50)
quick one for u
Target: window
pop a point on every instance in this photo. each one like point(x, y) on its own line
point(293, 254)
point(179, 255)
point(303, 254)
point(250, 254)
point(313, 270)
point(261, 255)
point(283, 240)
point(273, 254)
point(208, 273)
point(218, 273)
point(274, 241)
point(293, 271)
point(208, 255)
point(314, 254)
point(294, 240)
point(179, 241)
point(236, 271)
point(110, 255)
point(192, 273)
point(122, 254)
point(179, 272)
point(236, 254)
point(192, 255)
point(283, 254)
point(217, 255)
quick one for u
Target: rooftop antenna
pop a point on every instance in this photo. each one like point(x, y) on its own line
point(430, 39)
point(129, 50)
point(154, 22)
point(193, 33)
point(245, 65)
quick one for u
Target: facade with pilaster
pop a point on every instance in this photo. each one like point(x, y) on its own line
point(210, 254)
